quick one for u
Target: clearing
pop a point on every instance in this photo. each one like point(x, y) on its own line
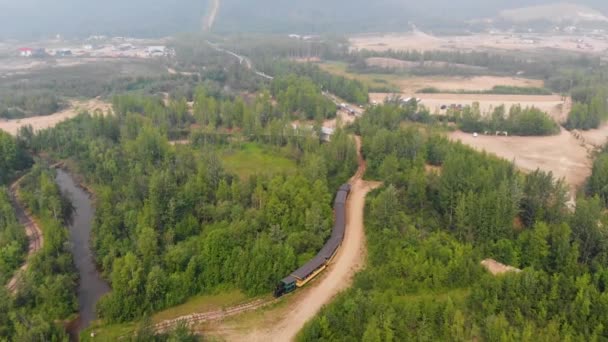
point(561, 154)
point(409, 86)
point(421, 41)
point(497, 268)
point(550, 104)
point(252, 159)
point(412, 85)
point(48, 121)
point(594, 137)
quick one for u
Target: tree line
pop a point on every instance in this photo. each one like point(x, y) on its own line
point(589, 108)
point(529, 121)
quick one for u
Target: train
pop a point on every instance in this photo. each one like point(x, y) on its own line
point(316, 265)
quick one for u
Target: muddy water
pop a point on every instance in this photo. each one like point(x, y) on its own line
point(91, 286)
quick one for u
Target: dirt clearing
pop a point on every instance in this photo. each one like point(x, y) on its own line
point(561, 154)
point(43, 122)
point(479, 42)
point(595, 137)
point(411, 85)
point(550, 104)
point(497, 268)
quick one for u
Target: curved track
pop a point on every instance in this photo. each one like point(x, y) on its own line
point(32, 230)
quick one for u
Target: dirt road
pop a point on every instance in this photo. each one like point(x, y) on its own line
point(34, 234)
point(42, 122)
point(209, 19)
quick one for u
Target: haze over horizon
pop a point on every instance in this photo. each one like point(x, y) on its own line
point(72, 18)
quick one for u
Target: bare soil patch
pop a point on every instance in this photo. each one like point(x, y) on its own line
point(595, 137)
point(478, 42)
point(43, 122)
point(562, 154)
point(497, 268)
point(410, 86)
point(550, 104)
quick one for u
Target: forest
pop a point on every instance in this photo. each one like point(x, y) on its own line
point(172, 222)
point(175, 221)
point(47, 292)
point(13, 242)
point(443, 209)
point(590, 106)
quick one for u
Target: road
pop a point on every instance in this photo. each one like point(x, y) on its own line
point(32, 230)
point(209, 19)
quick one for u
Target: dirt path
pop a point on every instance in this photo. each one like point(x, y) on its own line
point(42, 122)
point(32, 230)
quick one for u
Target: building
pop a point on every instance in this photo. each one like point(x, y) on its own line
point(26, 52)
point(156, 51)
point(326, 133)
point(63, 53)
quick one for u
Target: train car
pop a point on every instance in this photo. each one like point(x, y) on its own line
point(288, 284)
point(311, 269)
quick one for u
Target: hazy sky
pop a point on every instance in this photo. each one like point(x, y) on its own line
point(37, 18)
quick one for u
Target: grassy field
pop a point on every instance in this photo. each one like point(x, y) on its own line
point(252, 159)
point(202, 304)
point(196, 304)
point(372, 81)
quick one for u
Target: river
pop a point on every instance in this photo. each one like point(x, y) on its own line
point(91, 286)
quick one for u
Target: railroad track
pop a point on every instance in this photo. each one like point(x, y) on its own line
point(197, 318)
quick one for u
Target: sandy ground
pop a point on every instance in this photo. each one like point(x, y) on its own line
point(42, 122)
point(283, 324)
point(551, 104)
point(411, 85)
point(561, 154)
point(497, 268)
point(32, 230)
point(424, 42)
point(596, 137)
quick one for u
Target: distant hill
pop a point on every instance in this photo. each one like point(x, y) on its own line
point(556, 13)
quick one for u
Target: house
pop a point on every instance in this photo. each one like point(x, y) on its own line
point(39, 52)
point(158, 51)
point(63, 53)
point(25, 52)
